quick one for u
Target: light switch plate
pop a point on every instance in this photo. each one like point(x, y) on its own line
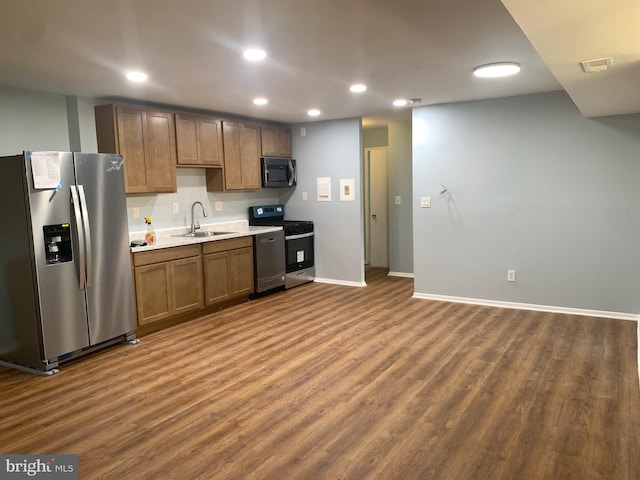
point(398, 200)
point(425, 202)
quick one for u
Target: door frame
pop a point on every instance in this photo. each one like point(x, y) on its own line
point(367, 203)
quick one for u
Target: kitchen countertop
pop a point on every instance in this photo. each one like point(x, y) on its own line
point(171, 237)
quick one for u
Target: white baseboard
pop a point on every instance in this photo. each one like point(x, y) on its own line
point(529, 306)
point(346, 283)
point(400, 274)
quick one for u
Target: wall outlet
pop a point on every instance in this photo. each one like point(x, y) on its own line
point(176, 208)
point(398, 200)
point(304, 196)
point(136, 212)
point(219, 206)
point(425, 202)
point(303, 131)
point(511, 275)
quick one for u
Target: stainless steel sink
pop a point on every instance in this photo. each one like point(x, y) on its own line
point(204, 234)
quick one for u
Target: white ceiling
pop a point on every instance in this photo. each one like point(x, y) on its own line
point(192, 51)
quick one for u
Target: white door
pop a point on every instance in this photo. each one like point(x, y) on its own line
point(378, 207)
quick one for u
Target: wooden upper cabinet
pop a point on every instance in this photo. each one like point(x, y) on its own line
point(146, 140)
point(241, 169)
point(250, 156)
point(232, 156)
point(199, 141)
point(275, 141)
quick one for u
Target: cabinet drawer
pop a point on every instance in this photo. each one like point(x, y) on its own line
point(224, 245)
point(165, 255)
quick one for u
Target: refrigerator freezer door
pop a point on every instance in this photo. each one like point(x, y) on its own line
point(61, 302)
point(110, 294)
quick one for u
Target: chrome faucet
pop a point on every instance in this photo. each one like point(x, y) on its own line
point(194, 223)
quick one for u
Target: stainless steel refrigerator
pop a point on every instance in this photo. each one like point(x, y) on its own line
point(65, 278)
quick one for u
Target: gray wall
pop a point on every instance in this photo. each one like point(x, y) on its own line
point(32, 121)
point(535, 187)
point(331, 149)
point(400, 216)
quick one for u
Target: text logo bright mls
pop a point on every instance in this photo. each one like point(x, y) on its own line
point(51, 467)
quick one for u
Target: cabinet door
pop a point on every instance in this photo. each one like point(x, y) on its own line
point(198, 141)
point(186, 140)
point(210, 142)
point(232, 159)
point(153, 300)
point(186, 282)
point(130, 126)
point(275, 141)
point(268, 141)
point(241, 271)
point(250, 155)
point(283, 142)
point(216, 278)
point(160, 152)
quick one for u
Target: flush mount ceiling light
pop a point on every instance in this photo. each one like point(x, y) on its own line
point(254, 54)
point(260, 101)
point(494, 70)
point(137, 76)
point(314, 112)
point(358, 88)
point(400, 102)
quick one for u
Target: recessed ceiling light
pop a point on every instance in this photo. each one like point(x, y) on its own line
point(137, 76)
point(314, 112)
point(254, 54)
point(358, 88)
point(260, 101)
point(401, 102)
point(493, 70)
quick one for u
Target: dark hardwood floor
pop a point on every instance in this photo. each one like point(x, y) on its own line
point(334, 382)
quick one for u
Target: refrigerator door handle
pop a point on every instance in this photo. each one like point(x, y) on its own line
point(87, 233)
point(78, 217)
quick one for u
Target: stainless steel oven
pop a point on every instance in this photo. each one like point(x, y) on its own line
point(298, 242)
point(299, 256)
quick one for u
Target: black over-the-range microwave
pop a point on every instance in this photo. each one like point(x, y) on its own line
point(278, 172)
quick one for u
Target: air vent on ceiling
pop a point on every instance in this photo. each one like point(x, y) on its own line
point(597, 65)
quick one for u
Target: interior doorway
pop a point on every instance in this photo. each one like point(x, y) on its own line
point(376, 207)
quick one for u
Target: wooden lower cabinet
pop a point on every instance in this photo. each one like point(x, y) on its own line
point(186, 282)
point(241, 272)
point(228, 269)
point(152, 293)
point(168, 282)
point(216, 278)
point(177, 280)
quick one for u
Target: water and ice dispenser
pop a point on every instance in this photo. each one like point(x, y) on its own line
point(57, 243)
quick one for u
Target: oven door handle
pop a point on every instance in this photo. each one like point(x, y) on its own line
point(302, 235)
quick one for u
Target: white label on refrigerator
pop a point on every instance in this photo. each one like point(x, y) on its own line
point(45, 167)
point(300, 256)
